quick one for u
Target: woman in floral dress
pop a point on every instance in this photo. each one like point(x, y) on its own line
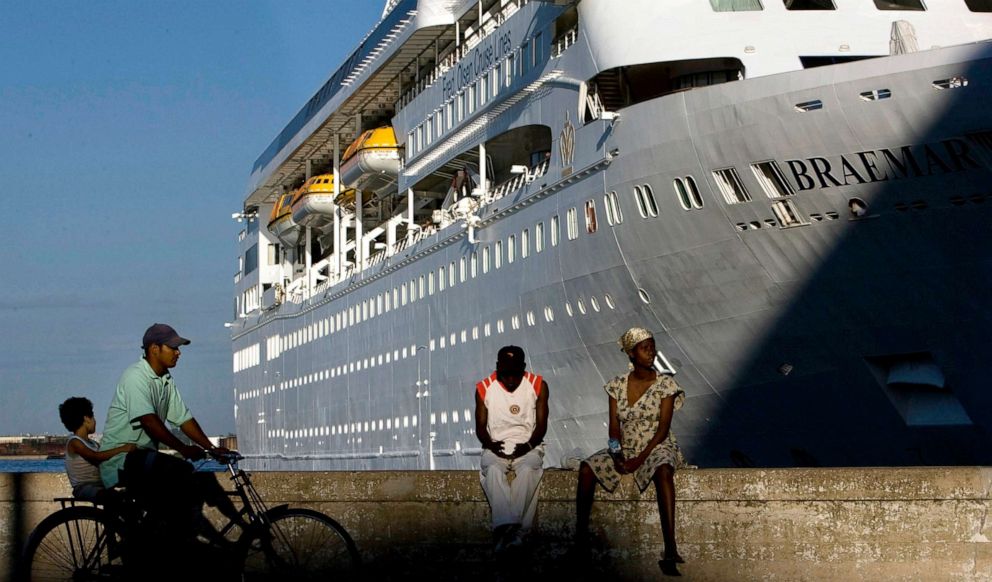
point(641, 406)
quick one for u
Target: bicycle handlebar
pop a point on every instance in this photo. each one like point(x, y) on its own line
point(227, 458)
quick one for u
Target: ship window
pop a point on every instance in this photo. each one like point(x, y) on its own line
point(474, 264)
point(646, 203)
point(683, 194)
point(509, 68)
point(549, 314)
point(731, 186)
point(484, 84)
point(499, 253)
point(772, 180)
point(485, 259)
point(487, 330)
point(475, 333)
point(421, 293)
point(581, 304)
point(461, 270)
point(539, 237)
point(525, 243)
point(591, 225)
point(462, 105)
point(413, 290)
point(471, 99)
point(497, 78)
point(438, 123)
point(697, 200)
point(572, 223)
point(899, 5)
point(403, 295)
point(365, 315)
point(499, 326)
point(440, 278)
point(378, 303)
point(735, 5)
point(554, 230)
point(429, 130)
point(524, 57)
point(568, 309)
point(809, 5)
point(511, 248)
point(612, 204)
point(412, 142)
point(979, 5)
point(531, 320)
point(451, 274)
point(917, 388)
point(449, 111)
point(787, 214)
point(430, 283)
point(515, 322)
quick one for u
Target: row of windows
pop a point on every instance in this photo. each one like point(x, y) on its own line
point(374, 425)
point(464, 103)
point(911, 5)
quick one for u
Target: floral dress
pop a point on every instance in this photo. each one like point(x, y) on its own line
point(638, 425)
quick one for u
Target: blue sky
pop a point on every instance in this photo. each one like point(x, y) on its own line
point(127, 133)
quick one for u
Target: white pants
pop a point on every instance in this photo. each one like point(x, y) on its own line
point(512, 502)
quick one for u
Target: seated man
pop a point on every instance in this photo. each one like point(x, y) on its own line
point(511, 418)
point(166, 486)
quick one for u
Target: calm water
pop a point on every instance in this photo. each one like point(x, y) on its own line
point(58, 466)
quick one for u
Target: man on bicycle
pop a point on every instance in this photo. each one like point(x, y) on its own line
point(167, 487)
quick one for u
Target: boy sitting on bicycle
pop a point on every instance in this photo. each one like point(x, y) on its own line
point(82, 454)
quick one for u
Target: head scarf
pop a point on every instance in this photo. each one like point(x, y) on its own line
point(632, 337)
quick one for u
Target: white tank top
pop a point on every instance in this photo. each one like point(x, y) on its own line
point(79, 469)
point(512, 416)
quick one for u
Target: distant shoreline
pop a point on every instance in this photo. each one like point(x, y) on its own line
point(23, 457)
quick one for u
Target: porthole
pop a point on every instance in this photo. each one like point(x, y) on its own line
point(568, 309)
point(549, 314)
point(609, 301)
point(499, 326)
point(581, 305)
point(595, 304)
point(515, 322)
point(643, 294)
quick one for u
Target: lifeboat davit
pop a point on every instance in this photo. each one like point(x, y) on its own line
point(372, 162)
point(281, 222)
point(313, 204)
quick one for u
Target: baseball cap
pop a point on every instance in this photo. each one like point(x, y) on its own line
point(511, 359)
point(160, 333)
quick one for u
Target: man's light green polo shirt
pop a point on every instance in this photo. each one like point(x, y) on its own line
point(140, 391)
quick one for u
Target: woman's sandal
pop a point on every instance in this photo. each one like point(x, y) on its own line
point(668, 567)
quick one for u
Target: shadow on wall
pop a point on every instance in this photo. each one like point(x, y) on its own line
point(881, 356)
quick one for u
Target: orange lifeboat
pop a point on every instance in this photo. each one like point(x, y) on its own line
point(281, 222)
point(372, 162)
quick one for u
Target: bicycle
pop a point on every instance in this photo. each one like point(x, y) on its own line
point(83, 541)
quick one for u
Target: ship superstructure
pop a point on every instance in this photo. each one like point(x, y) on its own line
point(790, 194)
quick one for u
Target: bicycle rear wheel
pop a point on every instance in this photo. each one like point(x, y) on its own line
point(75, 543)
point(299, 544)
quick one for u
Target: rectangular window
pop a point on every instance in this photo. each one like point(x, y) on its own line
point(497, 78)
point(524, 58)
point(485, 260)
point(471, 98)
point(809, 5)
point(474, 264)
point(538, 53)
point(572, 223)
point(440, 278)
point(484, 85)
point(735, 5)
point(511, 248)
point(451, 274)
point(731, 186)
point(772, 180)
point(525, 243)
point(461, 270)
point(916, 5)
point(421, 287)
point(430, 283)
point(787, 214)
point(429, 130)
point(449, 111)
point(274, 254)
point(591, 225)
point(499, 253)
point(462, 105)
point(403, 294)
point(539, 237)
point(510, 63)
point(555, 230)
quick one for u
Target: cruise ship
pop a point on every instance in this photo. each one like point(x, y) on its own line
point(793, 195)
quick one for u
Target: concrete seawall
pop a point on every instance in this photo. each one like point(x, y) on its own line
point(733, 524)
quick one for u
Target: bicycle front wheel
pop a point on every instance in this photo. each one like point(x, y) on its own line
point(75, 543)
point(299, 544)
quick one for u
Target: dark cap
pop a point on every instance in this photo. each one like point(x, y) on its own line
point(162, 334)
point(511, 359)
